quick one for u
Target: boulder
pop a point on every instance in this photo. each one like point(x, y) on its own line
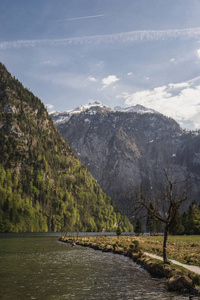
point(180, 283)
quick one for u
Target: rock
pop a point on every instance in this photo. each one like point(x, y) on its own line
point(134, 256)
point(107, 248)
point(124, 149)
point(180, 283)
point(10, 109)
point(115, 247)
point(154, 268)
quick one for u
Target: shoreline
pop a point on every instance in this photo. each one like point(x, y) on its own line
point(176, 279)
point(194, 269)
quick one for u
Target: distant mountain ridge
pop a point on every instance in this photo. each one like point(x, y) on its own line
point(43, 186)
point(123, 148)
point(60, 117)
point(91, 107)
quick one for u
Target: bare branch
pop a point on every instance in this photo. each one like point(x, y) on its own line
point(168, 199)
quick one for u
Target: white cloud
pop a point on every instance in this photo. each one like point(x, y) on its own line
point(91, 78)
point(179, 85)
point(130, 73)
point(193, 80)
point(183, 106)
point(124, 37)
point(109, 80)
point(49, 106)
point(198, 53)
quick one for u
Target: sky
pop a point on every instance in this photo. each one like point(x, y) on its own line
point(119, 52)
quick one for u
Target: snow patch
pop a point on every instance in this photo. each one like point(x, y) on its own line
point(87, 121)
point(92, 112)
point(88, 106)
point(62, 119)
point(91, 109)
point(136, 108)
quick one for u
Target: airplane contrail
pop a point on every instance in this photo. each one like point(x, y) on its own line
point(79, 18)
point(124, 37)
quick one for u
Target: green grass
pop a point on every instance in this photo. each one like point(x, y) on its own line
point(185, 249)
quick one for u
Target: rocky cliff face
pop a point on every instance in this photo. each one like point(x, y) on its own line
point(124, 148)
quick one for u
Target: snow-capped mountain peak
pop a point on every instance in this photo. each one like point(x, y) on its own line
point(136, 108)
point(92, 107)
point(89, 106)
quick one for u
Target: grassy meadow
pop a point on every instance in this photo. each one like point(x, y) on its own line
point(185, 249)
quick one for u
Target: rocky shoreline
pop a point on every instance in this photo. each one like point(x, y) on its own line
point(176, 280)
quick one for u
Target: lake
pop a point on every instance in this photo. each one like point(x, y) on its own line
point(39, 267)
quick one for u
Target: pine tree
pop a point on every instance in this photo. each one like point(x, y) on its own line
point(177, 227)
point(193, 219)
point(151, 221)
point(138, 227)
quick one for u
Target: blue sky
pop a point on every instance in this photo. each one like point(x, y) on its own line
point(120, 52)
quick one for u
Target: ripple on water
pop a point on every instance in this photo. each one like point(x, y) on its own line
point(46, 270)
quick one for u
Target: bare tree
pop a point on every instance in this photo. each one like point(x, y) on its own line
point(167, 203)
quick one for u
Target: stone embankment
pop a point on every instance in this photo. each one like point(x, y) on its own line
point(176, 279)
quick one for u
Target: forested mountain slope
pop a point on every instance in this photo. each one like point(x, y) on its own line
point(43, 186)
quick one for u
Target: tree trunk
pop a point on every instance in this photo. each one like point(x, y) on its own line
point(166, 231)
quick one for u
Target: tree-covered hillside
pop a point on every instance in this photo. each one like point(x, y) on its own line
point(43, 186)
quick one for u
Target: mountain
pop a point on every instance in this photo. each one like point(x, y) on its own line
point(43, 185)
point(140, 109)
point(125, 147)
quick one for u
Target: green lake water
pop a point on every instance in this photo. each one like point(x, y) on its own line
point(42, 268)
